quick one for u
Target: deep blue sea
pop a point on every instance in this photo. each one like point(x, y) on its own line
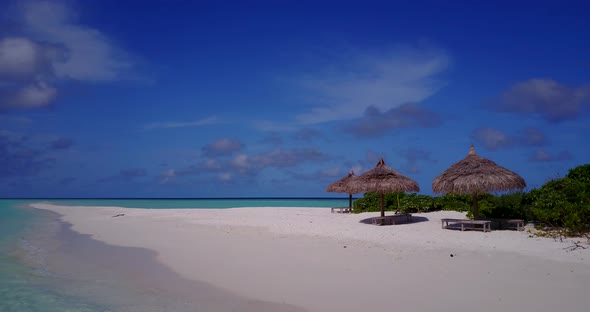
point(41, 267)
point(203, 203)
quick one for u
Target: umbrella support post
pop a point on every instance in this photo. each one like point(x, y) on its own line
point(382, 208)
point(475, 207)
point(350, 201)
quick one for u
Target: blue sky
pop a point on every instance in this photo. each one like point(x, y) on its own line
point(281, 98)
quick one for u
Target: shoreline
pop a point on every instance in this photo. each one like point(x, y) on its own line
point(320, 261)
point(108, 277)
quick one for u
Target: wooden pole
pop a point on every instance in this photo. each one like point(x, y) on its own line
point(350, 201)
point(475, 207)
point(382, 208)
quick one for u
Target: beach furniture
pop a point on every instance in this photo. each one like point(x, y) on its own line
point(465, 224)
point(514, 224)
point(506, 224)
point(341, 209)
point(393, 219)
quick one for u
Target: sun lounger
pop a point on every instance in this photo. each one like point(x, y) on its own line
point(341, 209)
point(515, 224)
point(480, 225)
point(506, 224)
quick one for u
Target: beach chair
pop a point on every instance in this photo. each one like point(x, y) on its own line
point(341, 209)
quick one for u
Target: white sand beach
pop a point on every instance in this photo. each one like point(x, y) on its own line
point(321, 261)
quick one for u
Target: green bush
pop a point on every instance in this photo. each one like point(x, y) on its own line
point(504, 206)
point(419, 203)
point(406, 203)
point(563, 203)
point(369, 202)
point(580, 174)
point(455, 202)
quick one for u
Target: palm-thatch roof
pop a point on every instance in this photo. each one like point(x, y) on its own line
point(343, 186)
point(382, 179)
point(476, 175)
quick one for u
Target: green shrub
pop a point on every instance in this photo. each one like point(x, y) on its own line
point(563, 203)
point(455, 202)
point(505, 206)
point(420, 203)
point(369, 203)
point(392, 201)
point(580, 174)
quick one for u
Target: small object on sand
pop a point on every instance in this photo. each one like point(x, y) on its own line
point(452, 255)
point(344, 246)
point(119, 215)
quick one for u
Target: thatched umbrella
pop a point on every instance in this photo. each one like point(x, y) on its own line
point(343, 186)
point(476, 175)
point(383, 179)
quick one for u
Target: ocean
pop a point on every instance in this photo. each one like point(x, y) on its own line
point(44, 266)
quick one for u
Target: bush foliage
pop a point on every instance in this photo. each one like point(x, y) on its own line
point(559, 203)
point(564, 202)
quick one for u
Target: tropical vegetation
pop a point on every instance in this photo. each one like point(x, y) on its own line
point(561, 203)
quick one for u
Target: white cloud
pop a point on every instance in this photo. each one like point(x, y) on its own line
point(224, 177)
point(492, 138)
point(183, 124)
point(276, 158)
point(167, 176)
point(222, 147)
point(33, 96)
point(90, 54)
point(56, 47)
point(384, 81)
point(331, 172)
point(375, 123)
point(211, 164)
point(548, 98)
point(544, 156)
point(18, 57)
point(24, 69)
point(533, 137)
point(241, 162)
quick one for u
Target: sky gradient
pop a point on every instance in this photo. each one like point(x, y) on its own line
point(281, 98)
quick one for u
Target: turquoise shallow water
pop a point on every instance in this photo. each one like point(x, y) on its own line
point(23, 288)
point(27, 243)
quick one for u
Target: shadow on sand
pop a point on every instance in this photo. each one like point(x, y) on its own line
point(415, 219)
